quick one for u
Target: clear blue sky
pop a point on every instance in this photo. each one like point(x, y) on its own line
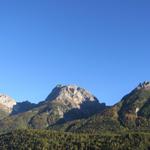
point(101, 45)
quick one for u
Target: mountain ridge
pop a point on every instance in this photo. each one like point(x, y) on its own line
point(71, 108)
point(64, 103)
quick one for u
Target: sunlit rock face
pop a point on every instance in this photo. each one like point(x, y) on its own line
point(71, 94)
point(6, 103)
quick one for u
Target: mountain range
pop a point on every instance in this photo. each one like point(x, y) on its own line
point(74, 109)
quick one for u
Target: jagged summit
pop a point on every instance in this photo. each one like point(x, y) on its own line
point(70, 93)
point(145, 85)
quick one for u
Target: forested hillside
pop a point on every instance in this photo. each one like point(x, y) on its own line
point(51, 140)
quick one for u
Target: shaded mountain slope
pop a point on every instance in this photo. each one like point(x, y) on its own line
point(21, 107)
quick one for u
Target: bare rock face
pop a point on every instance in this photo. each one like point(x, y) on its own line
point(71, 94)
point(6, 103)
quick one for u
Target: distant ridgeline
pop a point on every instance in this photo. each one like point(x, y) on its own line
point(70, 108)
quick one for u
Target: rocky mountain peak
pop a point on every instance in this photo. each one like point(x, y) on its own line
point(69, 102)
point(145, 85)
point(72, 94)
point(7, 103)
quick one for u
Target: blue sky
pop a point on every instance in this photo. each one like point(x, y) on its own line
point(101, 45)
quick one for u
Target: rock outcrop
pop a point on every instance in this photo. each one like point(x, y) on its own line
point(71, 94)
point(73, 102)
point(7, 103)
point(145, 85)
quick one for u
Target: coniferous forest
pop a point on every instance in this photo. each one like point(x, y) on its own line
point(51, 140)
